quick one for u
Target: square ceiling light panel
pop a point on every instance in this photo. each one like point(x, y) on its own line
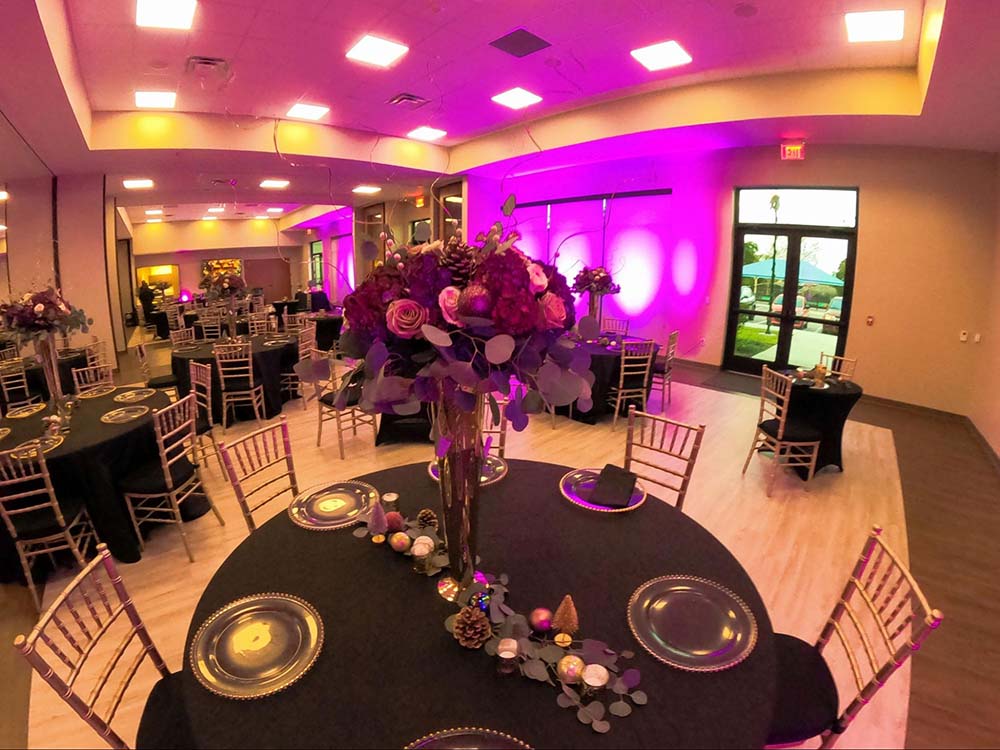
point(155, 99)
point(661, 56)
point(875, 26)
point(165, 14)
point(375, 51)
point(517, 98)
point(425, 133)
point(300, 111)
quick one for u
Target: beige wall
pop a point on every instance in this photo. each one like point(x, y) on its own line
point(927, 235)
point(189, 262)
point(986, 398)
point(172, 236)
point(29, 234)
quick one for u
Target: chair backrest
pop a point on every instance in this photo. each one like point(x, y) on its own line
point(775, 390)
point(14, 382)
point(64, 646)
point(235, 363)
point(495, 428)
point(307, 341)
point(294, 321)
point(662, 451)
point(26, 487)
point(88, 378)
point(174, 426)
point(260, 468)
point(671, 348)
point(887, 619)
point(97, 353)
point(211, 326)
point(615, 325)
point(181, 336)
point(637, 360)
point(256, 303)
point(9, 352)
point(842, 367)
point(261, 323)
point(201, 387)
point(173, 316)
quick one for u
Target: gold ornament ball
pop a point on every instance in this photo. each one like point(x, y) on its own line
point(570, 669)
point(563, 640)
point(400, 541)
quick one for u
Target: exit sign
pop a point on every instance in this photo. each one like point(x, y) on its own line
point(793, 151)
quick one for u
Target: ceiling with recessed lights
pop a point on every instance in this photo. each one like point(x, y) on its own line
point(195, 211)
point(271, 55)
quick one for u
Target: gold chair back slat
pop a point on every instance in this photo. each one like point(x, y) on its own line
point(841, 367)
point(86, 379)
point(14, 384)
point(235, 363)
point(495, 428)
point(616, 326)
point(182, 336)
point(665, 445)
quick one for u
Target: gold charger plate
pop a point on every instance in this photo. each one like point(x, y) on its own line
point(256, 646)
point(98, 391)
point(45, 444)
point(577, 485)
point(4, 432)
point(467, 737)
point(327, 507)
point(131, 397)
point(124, 414)
point(25, 411)
point(493, 470)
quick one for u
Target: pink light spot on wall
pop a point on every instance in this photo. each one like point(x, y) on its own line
point(684, 267)
point(185, 295)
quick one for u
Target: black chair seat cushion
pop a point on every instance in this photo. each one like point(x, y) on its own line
point(795, 432)
point(660, 365)
point(162, 381)
point(241, 385)
point(202, 426)
point(330, 399)
point(42, 523)
point(164, 723)
point(807, 701)
point(148, 478)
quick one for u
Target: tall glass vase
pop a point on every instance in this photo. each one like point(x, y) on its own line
point(595, 305)
point(459, 469)
point(48, 358)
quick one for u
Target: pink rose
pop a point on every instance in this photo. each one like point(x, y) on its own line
point(537, 278)
point(553, 310)
point(404, 318)
point(448, 302)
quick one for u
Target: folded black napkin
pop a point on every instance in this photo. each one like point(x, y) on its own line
point(614, 487)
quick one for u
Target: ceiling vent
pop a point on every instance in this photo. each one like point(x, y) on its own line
point(410, 101)
point(211, 72)
point(520, 43)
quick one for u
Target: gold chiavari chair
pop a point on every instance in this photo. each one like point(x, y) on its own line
point(615, 326)
point(182, 336)
point(294, 322)
point(9, 352)
point(495, 428)
point(841, 367)
point(256, 303)
point(35, 519)
point(155, 491)
point(260, 469)
point(160, 382)
point(663, 371)
point(792, 443)
point(662, 451)
point(86, 379)
point(204, 427)
point(881, 618)
point(97, 352)
point(14, 384)
point(633, 375)
point(211, 324)
point(345, 413)
point(290, 381)
point(261, 323)
point(235, 365)
point(174, 319)
point(67, 649)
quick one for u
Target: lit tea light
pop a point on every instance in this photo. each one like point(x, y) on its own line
point(507, 649)
point(595, 676)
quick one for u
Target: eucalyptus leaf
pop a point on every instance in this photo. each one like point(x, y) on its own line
point(551, 653)
point(509, 205)
point(583, 715)
point(618, 687)
point(464, 374)
point(620, 708)
point(565, 701)
point(435, 335)
point(596, 710)
point(631, 678)
point(499, 348)
point(449, 623)
point(439, 561)
point(490, 647)
point(639, 698)
point(627, 654)
point(536, 670)
point(361, 531)
point(601, 726)
point(526, 648)
point(570, 692)
point(407, 408)
point(504, 579)
point(375, 358)
point(588, 327)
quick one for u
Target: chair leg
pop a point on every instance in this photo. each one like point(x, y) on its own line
point(319, 431)
point(618, 406)
point(218, 455)
point(180, 526)
point(225, 413)
point(340, 435)
point(135, 522)
point(753, 449)
point(26, 567)
point(773, 474)
point(670, 388)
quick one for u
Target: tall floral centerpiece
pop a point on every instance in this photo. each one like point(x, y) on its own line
point(598, 282)
point(452, 325)
point(39, 317)
point(227, 287)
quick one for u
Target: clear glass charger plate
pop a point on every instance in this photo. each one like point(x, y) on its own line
point(4, 432)
point(577, 486)
point(25, 411)
point(125, 414)
point(256, 646)
point(692, 623)
point(276, 342)
point(69, 353)
point(187, 348)
point(494, 469)
point(98, 391)
point(333, 506)
point(131, 397)
point(45, 444)
point(467, 737)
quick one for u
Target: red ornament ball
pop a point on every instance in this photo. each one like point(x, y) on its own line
point(395, 521)
point(475, 302)
point(540, 620)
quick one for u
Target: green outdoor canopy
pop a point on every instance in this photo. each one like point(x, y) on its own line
point(808, 273)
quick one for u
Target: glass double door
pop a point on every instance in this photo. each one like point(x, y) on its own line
point(790, 298)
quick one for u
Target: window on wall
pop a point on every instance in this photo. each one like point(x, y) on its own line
point(448, 209)
point(316, 263)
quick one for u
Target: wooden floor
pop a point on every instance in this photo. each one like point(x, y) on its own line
point(798, 545)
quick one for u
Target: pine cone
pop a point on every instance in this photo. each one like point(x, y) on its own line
point(472, 627)
point(427, 518)
point(460, 259)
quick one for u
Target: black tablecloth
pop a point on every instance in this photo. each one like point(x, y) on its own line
point(35, 376)
point(826, 410)
point(327, 330)
point(412, 428)
point(269, 362)
point(242, 327)
point(318, 301)
point(190, 318)
point(87, 464)
point(282, 306)
point(606, 364)
point(390, 673)
point(159, 319)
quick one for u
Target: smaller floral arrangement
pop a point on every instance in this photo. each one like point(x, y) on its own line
point(39, 315)
point(595, 280)
point(224, 285)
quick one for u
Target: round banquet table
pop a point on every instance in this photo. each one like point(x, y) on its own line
point(605, 363)
point(92, 455)
point(33, 373)
point(389, 672)
point(327, 330)
point(827, 410)
point(269, 362)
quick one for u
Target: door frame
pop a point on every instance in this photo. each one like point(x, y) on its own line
point(787, 317)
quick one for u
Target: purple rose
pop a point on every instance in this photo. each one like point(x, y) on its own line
point(448, 302)
point(553, 311)
point(405, 317)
